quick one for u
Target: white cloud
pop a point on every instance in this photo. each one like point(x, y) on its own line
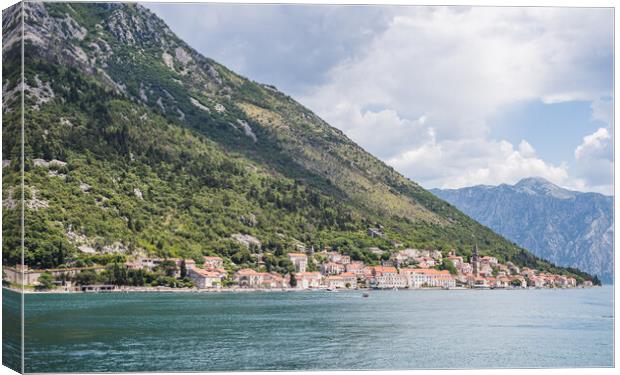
point(603, 110)
point(421, 96)
point(594, 161)
point(526, 149)
point(473, 162)
point(595, 145)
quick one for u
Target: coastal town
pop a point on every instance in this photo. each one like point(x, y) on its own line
point(404, 269)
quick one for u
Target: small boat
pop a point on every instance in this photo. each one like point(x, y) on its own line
point(365, 295)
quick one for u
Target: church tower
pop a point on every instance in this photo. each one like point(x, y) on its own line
point(475, 261)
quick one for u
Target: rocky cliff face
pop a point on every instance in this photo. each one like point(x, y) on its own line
point(566, 227)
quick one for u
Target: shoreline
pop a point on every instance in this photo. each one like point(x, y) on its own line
point(256, 290)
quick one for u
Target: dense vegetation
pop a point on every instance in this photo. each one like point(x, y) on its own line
point(151, 171)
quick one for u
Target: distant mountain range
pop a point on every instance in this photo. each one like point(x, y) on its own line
point(566, 227)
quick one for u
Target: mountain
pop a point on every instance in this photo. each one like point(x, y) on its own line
point(568, 228)
point(136, 143)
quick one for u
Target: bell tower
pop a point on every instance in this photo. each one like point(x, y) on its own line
point(475, 261)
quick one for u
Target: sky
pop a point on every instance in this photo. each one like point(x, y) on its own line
point(448, 96)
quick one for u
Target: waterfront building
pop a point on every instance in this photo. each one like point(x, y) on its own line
point(24, 275)
point(520, 279)
point(272, 280)
point(536, 281)
point(349, 279)
point(331, 268)
point(247, 278)
point(379, 270)
point(308, 280)
point(479, 282)
point(95, 288)
point(204, 279)
point(189, 264)
point(418, 278)
point(389, 281)
point(572, 282)
point(367, 272)
point(356, 267)
point(299, 260)
point(312, 279)
point(305, 280)
point(499, 282)
point(387, 278)
point(334, 282)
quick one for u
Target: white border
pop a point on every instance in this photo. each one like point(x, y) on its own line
point(556, 3)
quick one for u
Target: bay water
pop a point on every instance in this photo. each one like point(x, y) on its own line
point(318, 330)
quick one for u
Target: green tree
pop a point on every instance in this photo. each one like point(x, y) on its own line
point(136, 277)
point(449, 266)
point(183, 269)
point(46, 281)
point(293, 281)
point(87, 277)
point(169, 267)
point(495, 271)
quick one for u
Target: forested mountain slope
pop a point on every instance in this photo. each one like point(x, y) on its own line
point(170, 153)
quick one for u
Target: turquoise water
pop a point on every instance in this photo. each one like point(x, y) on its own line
point(319, 330)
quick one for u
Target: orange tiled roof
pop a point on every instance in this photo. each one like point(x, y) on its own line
point(296, 254)
point(206, 273)
point(386, 269)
